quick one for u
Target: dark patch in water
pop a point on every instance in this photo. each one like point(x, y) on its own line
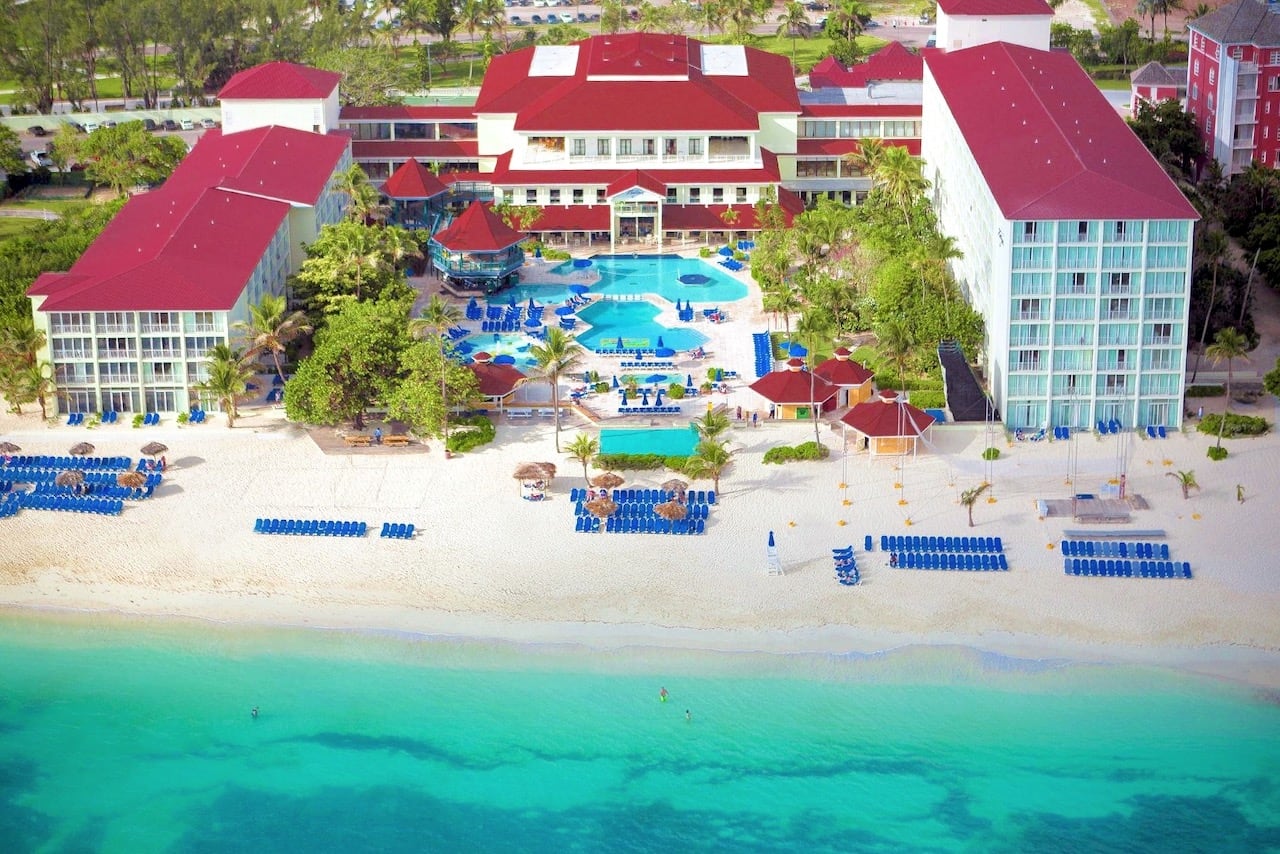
point(417, 748)
point(21, 828)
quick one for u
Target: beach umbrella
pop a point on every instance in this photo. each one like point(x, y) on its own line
point(608, 480)
point(154, 449)
point(719, 375)
point(660, 344)
point(619, 347)
point(472, 305)
point(625, 399)
point(131, 479)
point(548, 470)
point(671, 510)
point(601, 508)
point(657, 398)
point(688, 380)
point(504, 359)
point(81, 449)
point(797, 351)
point(772, 544)
point(664, 352)
point(533, 323)
point(655, 378)
point(678, 306)
point(9, 448)
point(532, 305)
point(579, 289)
point(676, 485)
point(644, 397)
point(581, 263)
point(615, 380)
point(71, 477)
point(565, 310)
point(512, 302)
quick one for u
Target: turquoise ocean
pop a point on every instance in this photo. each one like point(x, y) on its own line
point(120, 735)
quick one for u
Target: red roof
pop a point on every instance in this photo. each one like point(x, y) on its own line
point(638, 81)
point(496, 380)
point(1047, 141)
point(793, 385)
point(885, 416)
point(842, 370)
point(279, 80)
point(413, 181)
point(477, 229)
point(891, 62)
point(276, 162)
point(635, 178)
point(572, 218)
point(995, 7)
point(503, 175)
point(409, 112)
point(423, 149)
point(840, 147)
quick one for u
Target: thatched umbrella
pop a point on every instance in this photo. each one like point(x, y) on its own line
point(9, 448)
point(131, 479)
point(154, 449)
point(81, 449)
point(548, 470)
point(608, 480)
point(671, 510)
point(601, 508)
point(529, 471)
point(676, 485)
point(71, 477)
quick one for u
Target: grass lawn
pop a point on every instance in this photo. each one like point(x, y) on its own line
point(61, 206)
point(13, 226)
point(1114, 85)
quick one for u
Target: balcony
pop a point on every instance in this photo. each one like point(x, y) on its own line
point(70, 329)
point(1242, 142)
point(128, 353)
point(1159, 339)
point(161, 327)
point(115, 328)
point(1031, 315)
point(160, 353)
point(1120, 315)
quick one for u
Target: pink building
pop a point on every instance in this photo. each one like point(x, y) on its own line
point(1154, 83)
point(1233, 83)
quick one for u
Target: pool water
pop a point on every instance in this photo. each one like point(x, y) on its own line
point(627, 275)
point(636, 324)
point(676, 442)
point(515, 344)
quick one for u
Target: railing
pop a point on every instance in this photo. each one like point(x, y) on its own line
point(165, 353)
point(206, 328)
point(1120, 315)
point(72, 354)
point(1032, 315)
point(104, 328)
point(161, 327)
point(71, 330)
point(118, 354)
point(1159, 339)
point(1030, 341)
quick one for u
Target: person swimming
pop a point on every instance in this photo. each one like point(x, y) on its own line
point(688, 715)
point(254, 713)
point(662, 695)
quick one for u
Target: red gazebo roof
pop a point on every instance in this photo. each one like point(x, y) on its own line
point(495, 380)
point(791, 385)
point(413, 181)
point(478, 229)
point(842, 370)
point(887, 416)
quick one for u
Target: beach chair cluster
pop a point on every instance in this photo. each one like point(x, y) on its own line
point(1123, 568)
point(50, 461)
point(1112, 548)
point(196, 416)
point(685, 312)
point(649, 366)
point(9, 505)
point(746, 245)
point(732, 264)
point(397, 531)
point(75, 419)
point(1157, 431)
point(649, 410)
point(846, 566)
point(97, 490)
point(635, 514)
point(276, 395)
point(72, 503)
point(763, 348)
point(568, 324)
point(501, 326)
point(975, 554)
point(110, 417)
point(1112, 426)
point(309, 527)
point(1061, 433)
point(456, 333)
point(150, 419)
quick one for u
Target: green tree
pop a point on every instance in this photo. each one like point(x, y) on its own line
point(899, 175)
point(583, 448)
point(711, 425)
point(709, 459)
point(970, 497)
point(437, 318)
point(1271, 380)
point(350, 261)
point(896, 342)
point(554, 356)
point(613, 16)
point(845, 22)
point(368, 80)
point(356, 362)
point(868, 156)
point(11, 152)
point(433, 384)
point(229, 377)
point(1170, 134)
point(813, 326)
point(38, 385)
point(364, 202)
point(1214, 246)
point(1228, 345)
point(1186, 480)
point(793, 23)
point(126, 156)
point(271, 327)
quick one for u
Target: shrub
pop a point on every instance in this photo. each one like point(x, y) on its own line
point(630, 462)
point(137, 420)
point(704, 252)
point(1206, 391)
point(470, 432)
point(1217, 454)
point(602, 388)
point(803, 451)
point(675, 391)
point(991, 454)
point(1237, 425)
point(184, 417)
point(928, 398)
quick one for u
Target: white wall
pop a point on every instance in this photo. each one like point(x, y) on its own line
point(302, 114)
point(960, 31)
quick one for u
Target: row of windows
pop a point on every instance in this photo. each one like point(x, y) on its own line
point(873, 129)
point(1102, 385)
point(1133, 258)
point(412, 130)
point(674, 195)
point(1112, 231)
point(80, 322)
point(1114, 308)
point(126, 348)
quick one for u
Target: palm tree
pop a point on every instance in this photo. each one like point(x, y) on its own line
point(868, 156)
point(37, 382)
point(793, 22)
point(556, 354)
point(970, 497)
point(709, 459)
point(781, 300)
point(896, 343)
point(270, 328)
point(1186, 480)
point(20, 342)
point(1214, 245)
point(584, 448)
point(438, 317)
point(899, 174)
point(471, 19)
point(711, 425)
point(938, 249)
point(363, 201)
point(228, 379)
point(1229, 345)
point(813, 324)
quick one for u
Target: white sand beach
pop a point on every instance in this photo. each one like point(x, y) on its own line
point(486, 563)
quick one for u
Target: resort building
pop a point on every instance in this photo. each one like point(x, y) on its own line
point(968, 23)
point(130, 325)
point(1153, 83)
point(792, 392)
point(1233, 83)
point(852, 380)
point(1077, 246)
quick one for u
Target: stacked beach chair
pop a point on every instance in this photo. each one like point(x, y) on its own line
point(846, 566)
point(397, 531)
point(763, 348)
point(310, 527)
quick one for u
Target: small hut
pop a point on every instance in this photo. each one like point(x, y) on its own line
point(477, 250)
point(497, 383)
point(851, 378)
point(887, 424)
point(793, 390)
point(416, 195)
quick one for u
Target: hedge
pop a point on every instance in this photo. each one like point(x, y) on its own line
point(633, 462)
point(1217, 454)
point(1237, 425)
point(1206, 391)
point(803, 451)
point(928, 398)
point(470, 432)
point(991, 454)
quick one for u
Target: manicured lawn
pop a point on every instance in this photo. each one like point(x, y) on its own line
point(12, 226)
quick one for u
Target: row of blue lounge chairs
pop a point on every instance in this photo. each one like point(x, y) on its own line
point(33, 475)
point(648, 410)
point(763, 347)
point(310, 527)
point(635, 525)
point(150, 419)
point(657, 496)
point(893, 543)
point(196, 416)
point(1112, 568)
point(46, 461)
point(732, 264)
point(1112, 426)
point(501, 326)
point(643, 509)
point(1157, 431)
point(9, 506)
point(72, 503)
point(846, 566)
point(1111, 548)
point(397, 530)
point(77, 418)
point(946, 560)
point(97, 490)
point(649, 366)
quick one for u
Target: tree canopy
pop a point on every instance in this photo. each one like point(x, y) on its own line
point(124, 156)
point(1169, 133)
point(350, 261)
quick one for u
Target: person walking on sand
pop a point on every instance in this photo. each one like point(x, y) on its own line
point(1240, 492)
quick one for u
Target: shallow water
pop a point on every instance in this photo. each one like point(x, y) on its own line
point(136, 736)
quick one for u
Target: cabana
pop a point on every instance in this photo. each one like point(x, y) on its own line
point(793, 390)
point(416, 196)
point(477, 251)
point(851, 378)
point(887, 424)
point(497, 382)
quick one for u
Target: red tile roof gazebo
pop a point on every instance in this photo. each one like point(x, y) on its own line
point(853, 380)
point(792, 389)
point(887, 424)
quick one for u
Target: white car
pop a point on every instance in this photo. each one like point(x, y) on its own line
point(188, 124)
point(41, 159)
point(90, 127)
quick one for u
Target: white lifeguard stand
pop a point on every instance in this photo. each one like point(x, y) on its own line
point(772, 562)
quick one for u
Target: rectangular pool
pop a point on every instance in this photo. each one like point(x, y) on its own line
point(670, 442)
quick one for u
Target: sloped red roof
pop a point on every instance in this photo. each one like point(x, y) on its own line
point(572, 218)
point(881, 418)
point(636, 178)
point(280, 80)
point(503, 175)
point(478, 229)
point(413, 181)
point(496, 380)
point(793, 387)
point(891, 62)
point(1048, 143)
point(995, 7)
point(843, 371)
point(275, 162)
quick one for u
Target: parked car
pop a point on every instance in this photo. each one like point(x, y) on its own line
point(517, 21)
point(537, 19)
point(37, 130)
point(170, 124)
point(41, 159)
point(208, 124)
point(582, 18)
point(817, 6)
point(90, 127)
point(108, 124)
point(188, 124)
point(150, 125)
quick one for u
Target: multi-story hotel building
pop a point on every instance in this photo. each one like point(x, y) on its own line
point(1233, 83)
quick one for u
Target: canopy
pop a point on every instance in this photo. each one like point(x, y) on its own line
point(579, 289)
point(71, 477)
point(797, 351)
point(660, 344)
point(664, 352)
point(580, 263)
point(671, 510)
point(615, 380)
point(565, 310)
point(9, 448)
point(656, 378)
point(154, 449)
point(532, 305)
point(608, 480)
point(726, 251)
point(82, 449)
point(619, 347)
point(131, 479)
point(504, 359)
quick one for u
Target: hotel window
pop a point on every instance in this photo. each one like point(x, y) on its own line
point(579, 195)
point(695, 147)
point(1195, 92)
point(624, 147)
point(1029, 231)
point(1195, 67)
point(600, 197)
point(1274, 58)
point(671, 195)
point(578, 147)
point(717, 195)
point(1237, 53)
point(695, 195)
point(1118, 309)
point(1114, 383)
point(602, 148)
point(1213, 76)
point(740, 195)
point(1273, 85)
point(555, 195)
point(1161, 333)
point(860, 130)
point(530, 197)
point(669, 146)
point(649, 147)
point(1078, 283)
point(1026, 360)
point(1208, 101)
point(1160, 360)
point(1082, 230)
point(1119, 283)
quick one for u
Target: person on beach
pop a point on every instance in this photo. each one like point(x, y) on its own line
point(377, 435)
point(893, 558)
point(662, 695)
point(1240, 492)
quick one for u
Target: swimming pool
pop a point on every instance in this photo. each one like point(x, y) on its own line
point(515, 345)
point(671, 442)
point(628, 275)
point(636, 324)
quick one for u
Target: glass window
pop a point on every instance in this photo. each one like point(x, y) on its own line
point(695, 146)
point(624, 147)
point(602, 148)
point(555, 195)
point(649, 147)
point(671, 195)
point(579, 196)
point(530, 196)
point(578, 147)
point(600, 196)
point(860, 130)
point(717, 195)
point(695, 195)
point(669, 146)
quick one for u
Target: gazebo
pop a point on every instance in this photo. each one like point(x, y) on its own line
point(497, 383)
point(851, 378)
point(477, 251)
point(887, 424)
point(411, 190)
point(792, 390)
